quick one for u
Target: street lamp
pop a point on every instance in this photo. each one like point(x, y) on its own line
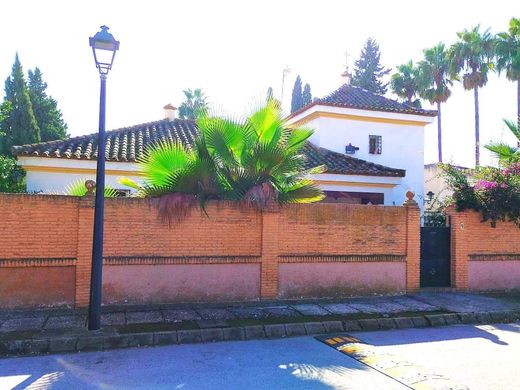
point(104, 47)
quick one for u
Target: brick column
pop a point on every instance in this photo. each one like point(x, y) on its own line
point(459, 250)
point(269, 268)
point(413, 243)
point(84, 250)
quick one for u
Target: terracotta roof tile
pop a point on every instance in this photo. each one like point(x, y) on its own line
point(127, 145)
point(349, 96)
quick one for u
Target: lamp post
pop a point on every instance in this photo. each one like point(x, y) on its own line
point(104, 47)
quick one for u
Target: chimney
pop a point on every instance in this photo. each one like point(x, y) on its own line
point(170, 112)
point(347, 77)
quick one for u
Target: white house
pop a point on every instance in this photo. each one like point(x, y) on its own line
point(389, 161)
point(367, 126)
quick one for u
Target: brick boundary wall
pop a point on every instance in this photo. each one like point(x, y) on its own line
point(483, 257)
point(315, 250)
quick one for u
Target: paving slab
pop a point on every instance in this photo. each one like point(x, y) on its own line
point(65, 322)
point(280, 311)
point(21, 324)
point(339, 308)
point(412, 304)
point(113, 319)
point(464, 302)
point(144, 317)
point(311, 310)
point(215, 314)
point(382, 305)
point(247, 312)
point(178, 315)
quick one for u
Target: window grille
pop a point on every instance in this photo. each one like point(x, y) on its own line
point(375, 144)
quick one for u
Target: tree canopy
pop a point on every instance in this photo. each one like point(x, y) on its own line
point(19, 122)
point(307, 95)
point(297, 98)
point(369, 74)
point(45, 108)
point(195, 103)
point(405, 83)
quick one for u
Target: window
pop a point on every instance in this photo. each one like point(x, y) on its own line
point(122, 193)
point(375, 144)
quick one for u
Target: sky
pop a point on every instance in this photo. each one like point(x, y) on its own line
point(236, 50)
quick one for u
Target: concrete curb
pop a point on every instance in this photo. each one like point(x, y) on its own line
point(104, 342)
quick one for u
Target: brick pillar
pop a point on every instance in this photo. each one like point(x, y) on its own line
point(413, 243)
point(459, 250)
point(84, 250)
point(269, 270)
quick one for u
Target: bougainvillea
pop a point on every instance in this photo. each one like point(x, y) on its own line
point(494, 192)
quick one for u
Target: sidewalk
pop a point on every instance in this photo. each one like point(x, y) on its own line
point(41, 331)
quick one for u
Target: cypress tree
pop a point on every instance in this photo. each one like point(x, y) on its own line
point(306, 95)
point(297, 98)
point(45, 108)
point(270, 94)
point(368, 72)
point(20, 126)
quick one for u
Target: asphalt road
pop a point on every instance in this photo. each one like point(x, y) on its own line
point(474, 357)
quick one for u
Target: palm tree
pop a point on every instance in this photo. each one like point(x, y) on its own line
point(472, 55)
point(405, 83)
point(194, 103)
point(435, 83)
point(256, 160)
point(505, 153)
point(507, 48)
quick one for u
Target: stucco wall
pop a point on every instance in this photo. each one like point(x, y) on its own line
point(494, 275)
point(181, 283)
point(340, 279)
point(22, 287)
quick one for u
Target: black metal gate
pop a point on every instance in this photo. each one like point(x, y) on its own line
point(435, 256)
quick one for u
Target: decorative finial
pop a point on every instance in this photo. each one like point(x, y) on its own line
point(90, 185)
point(410, 199)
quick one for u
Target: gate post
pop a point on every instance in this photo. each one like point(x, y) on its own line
point(459, 249)
point(413, 243)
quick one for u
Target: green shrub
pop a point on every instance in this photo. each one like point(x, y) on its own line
point(494, 192)
point(12, 177)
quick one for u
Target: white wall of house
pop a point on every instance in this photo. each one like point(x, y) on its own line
point(53, 175)
point(402, 140)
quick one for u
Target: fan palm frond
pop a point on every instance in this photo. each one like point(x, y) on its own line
point(77, 188)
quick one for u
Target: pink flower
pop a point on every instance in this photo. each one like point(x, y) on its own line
point(485, 185)
point(513, 169)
